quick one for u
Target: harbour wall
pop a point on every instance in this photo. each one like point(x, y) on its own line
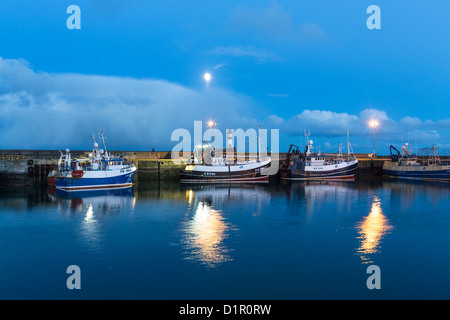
point(31, 167)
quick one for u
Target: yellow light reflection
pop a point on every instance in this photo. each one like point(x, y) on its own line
point(204, 236)
point(133, 204)
point(189, 196)
point(371, 231)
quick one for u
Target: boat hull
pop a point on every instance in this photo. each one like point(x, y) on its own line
point(100, 180)
point(345, 172)
point(435, 173)
point(226, 174)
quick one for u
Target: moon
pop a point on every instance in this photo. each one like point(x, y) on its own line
point(207, 77)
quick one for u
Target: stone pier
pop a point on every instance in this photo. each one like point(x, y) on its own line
point(31, 167)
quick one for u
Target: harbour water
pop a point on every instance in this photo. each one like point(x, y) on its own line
point(303, 240)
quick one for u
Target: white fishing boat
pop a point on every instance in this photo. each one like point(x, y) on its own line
point(206, 167)
point(318, 166)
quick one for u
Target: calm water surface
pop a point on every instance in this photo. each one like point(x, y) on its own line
point(281, 241)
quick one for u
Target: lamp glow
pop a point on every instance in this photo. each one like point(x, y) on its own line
point(373, 123)
point(207, 77)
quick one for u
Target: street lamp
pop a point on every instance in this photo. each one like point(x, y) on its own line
point(374, 124)
point(207, 77)
point(211, 124)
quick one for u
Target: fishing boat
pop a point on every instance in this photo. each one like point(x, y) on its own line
point(426, 165)
point(318, 166)
point(210, 165)
point(101, 170)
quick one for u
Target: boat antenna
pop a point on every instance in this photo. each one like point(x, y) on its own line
point(348, 143)
point(415, 143)
point(408, 134)
point(308, 145)
point(307, 134)
point(349, 147)
point(434, 156)
point(259, 145)
point(102, 136)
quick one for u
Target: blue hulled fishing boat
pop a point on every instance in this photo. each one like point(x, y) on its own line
point(427, 165)
point(100, 171)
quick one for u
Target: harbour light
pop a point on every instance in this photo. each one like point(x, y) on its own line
point(207, 77)
point(374, 123)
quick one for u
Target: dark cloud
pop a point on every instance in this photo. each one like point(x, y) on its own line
point(136, 113)
point(54, 111)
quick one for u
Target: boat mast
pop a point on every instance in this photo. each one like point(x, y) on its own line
point(308, 142)
point(259, 146)
point(348, 144)
point(434, 156)
point(104, 143)
point(67, 159)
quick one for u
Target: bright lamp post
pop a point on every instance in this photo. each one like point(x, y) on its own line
point(207, 77)
point(211, 124)
point(373, 124)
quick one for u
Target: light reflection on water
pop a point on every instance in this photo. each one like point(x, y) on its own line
point(162, 234)
point(371, 231)
point(90, 229)
point(94, 205)
point(204, 234)
point(205, 229)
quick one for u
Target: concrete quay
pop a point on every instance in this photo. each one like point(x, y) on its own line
point(31, 167)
